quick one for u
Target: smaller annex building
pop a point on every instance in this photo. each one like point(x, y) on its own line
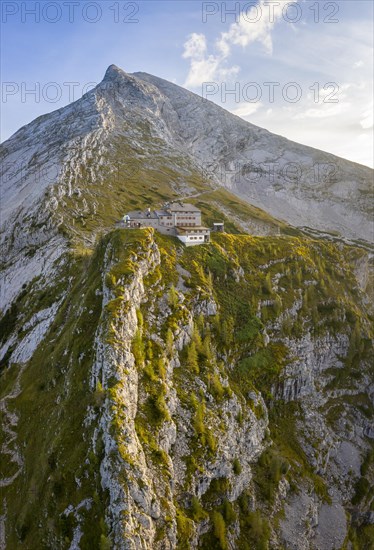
point(179, 219)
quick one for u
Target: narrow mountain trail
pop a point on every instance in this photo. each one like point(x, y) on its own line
point(195, 195)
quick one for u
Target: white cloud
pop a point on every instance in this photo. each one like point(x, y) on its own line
point(195, 47)
point(254, 25)
point(204, 67)
point(358, 64)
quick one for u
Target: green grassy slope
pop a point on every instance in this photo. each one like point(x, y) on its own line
point(119, 176)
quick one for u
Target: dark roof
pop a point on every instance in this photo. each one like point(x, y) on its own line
point(175, 207)
point(140, 215)
point(183, 207)
point(162, 213)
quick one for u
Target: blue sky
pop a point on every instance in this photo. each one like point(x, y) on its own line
point(317, 57)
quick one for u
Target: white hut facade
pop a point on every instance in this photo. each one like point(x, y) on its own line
point(178, 219)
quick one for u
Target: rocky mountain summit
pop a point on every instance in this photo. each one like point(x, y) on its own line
point(161, 397)
point(292, 182)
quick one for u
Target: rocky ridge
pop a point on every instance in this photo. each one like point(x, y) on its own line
point(161, 397)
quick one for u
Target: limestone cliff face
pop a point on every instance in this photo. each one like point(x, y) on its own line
point(335, 452)
point(190, 398)
point(143, 493)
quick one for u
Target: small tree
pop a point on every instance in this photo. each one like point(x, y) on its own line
point(173, 297)
point(216, 388)
point(227, 332)
point(192, 358)
point(198, 512)
point(207, 349)
point(149, 350)
point(196, 338)
point(169, 342)
point(219, 529)
point(200, 323)
point(198, 420)
point(267, 286)
point(236, 466)
point(138, 348)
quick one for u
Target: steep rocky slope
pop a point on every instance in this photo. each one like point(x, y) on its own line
point(302, 185)
point(160, 397)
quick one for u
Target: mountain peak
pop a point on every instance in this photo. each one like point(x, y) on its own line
point(113, 73)
point(164, 119)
